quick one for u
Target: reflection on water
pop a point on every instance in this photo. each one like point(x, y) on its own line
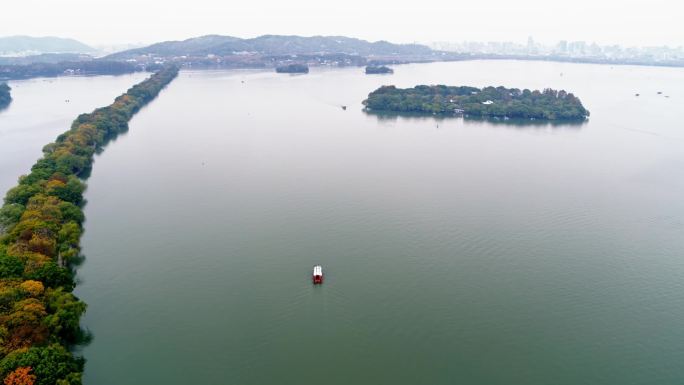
point(512, 123)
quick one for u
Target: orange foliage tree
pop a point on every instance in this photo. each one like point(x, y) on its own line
point(20, 376)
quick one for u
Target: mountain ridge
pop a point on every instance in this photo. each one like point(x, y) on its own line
point(273, 45)
point(23, 44)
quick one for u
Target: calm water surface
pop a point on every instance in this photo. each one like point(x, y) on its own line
point(42, 109)
point(456, 252)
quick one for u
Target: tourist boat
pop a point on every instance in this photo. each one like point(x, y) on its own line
point(317, 275)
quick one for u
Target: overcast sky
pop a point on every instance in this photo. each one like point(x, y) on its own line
point(96, 22)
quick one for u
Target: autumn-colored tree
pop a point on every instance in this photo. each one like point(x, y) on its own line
point(20, 376)
point(33, 288)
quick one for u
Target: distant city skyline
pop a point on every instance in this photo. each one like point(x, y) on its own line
point(114, 22)
point(567, 49)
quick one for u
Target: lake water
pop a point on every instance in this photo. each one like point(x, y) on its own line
point(42, 109)
point(455, 251)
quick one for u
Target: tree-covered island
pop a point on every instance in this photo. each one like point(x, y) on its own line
point(370, 70)
point(293, 69)
point(5, 97)
point(41, 223)
point(495, 102)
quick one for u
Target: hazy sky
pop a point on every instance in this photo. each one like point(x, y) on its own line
point(627, 22)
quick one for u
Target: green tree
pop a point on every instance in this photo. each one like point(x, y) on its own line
point(51, 364)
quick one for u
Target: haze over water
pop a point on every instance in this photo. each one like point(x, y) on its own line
point(455, 251)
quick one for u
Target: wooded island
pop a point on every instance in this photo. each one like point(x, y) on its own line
point(41, 223)
point(495, 102)
point(5, 97)
point(293, 69)
point(370, 70)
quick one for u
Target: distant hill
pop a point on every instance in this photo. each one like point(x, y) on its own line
point(28, 45)
point(274, 45)
point(195, 46)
